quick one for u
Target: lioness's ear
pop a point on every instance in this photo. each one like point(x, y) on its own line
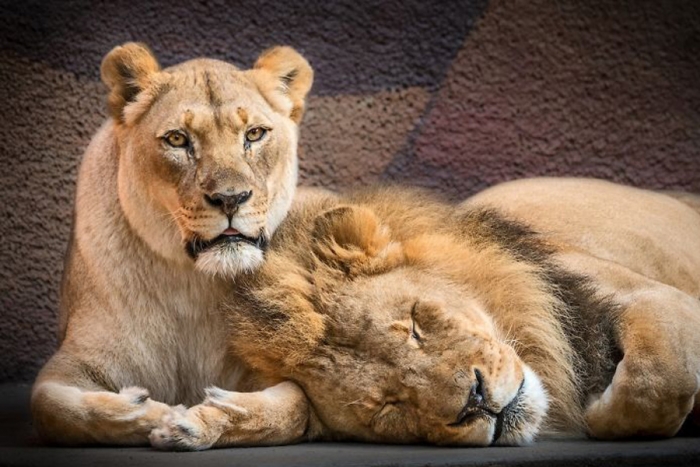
point(284, 77)
point(353, 239)
point(127, 70)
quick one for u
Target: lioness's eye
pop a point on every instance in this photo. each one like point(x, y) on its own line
point(176, 139)
point(255, 134)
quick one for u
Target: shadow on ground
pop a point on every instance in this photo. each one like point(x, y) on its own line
point(18, 447)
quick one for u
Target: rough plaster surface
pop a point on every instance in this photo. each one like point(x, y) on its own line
point(600, 89)
point(455, 95)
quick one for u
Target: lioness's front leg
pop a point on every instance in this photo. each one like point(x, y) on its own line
point(71, 406)
point(657, 383)
point(274, 416)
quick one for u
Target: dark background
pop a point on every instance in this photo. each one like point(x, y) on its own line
point(455, 95)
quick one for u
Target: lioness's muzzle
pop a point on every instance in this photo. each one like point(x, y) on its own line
point(195, 246)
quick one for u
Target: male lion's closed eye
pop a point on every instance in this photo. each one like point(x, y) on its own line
point(415, 334)
point(386, 409)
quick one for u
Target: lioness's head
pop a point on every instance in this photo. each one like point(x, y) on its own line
point(385, 345)
point(207, 152)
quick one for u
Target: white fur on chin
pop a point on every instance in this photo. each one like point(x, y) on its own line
point(229, 259)
point(536, 402)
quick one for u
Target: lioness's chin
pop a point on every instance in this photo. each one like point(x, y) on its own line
point(522, 427)
point(229, 259)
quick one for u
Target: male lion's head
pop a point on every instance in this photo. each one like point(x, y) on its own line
point(385, 342)
point(207, 152)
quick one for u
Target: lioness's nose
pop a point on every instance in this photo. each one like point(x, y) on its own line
point(228, 203)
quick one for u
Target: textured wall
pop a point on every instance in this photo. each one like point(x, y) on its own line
point(454, 95)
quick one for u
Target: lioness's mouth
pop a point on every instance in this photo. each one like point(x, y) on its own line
point(196, 246)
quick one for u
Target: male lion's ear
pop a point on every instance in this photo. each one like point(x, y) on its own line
point(352, 239)
point(127, 70)
point(284, 77)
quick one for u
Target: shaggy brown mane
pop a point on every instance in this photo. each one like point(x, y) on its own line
point(588, 319)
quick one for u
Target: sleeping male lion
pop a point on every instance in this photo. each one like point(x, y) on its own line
point(562, 305)
point(178, 192)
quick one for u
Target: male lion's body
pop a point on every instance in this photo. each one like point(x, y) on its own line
point(406, 319)
point(178, 191)
point(641, 249)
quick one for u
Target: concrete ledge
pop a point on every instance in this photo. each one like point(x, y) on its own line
point(19, 448)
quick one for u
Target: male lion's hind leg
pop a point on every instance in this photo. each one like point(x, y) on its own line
point(274, 416)
point(655, 386)
point(69, 408)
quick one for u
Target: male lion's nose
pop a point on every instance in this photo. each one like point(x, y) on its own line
point(477, 405)
point(228, 203)
point(477, 396)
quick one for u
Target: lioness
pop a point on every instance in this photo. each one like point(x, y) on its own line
point(563, 305)
point(178, 192)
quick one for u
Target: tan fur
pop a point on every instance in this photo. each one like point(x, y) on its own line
point(643, 250)
point(349, 281)
point(139, 316)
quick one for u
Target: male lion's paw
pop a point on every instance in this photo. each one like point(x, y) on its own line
point(631, 411)
point(178, 433)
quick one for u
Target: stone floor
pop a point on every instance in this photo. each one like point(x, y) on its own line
point(19, 448)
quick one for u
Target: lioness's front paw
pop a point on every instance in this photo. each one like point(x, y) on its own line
point(127, 416)
point(224, 400)
point(178, 433)
point(196, 429)
point(130, 405)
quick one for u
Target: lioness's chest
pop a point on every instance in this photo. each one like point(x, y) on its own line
point(181, 346)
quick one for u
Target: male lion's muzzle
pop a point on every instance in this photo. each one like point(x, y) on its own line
point(478, 406)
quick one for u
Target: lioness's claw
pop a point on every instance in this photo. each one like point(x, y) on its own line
point(222, 399)
point(136, 395)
